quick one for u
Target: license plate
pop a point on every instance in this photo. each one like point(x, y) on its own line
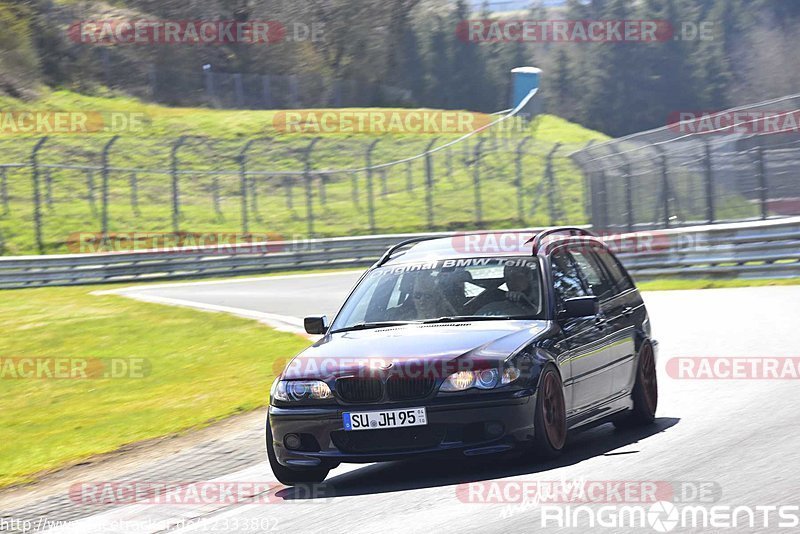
point(387, 419)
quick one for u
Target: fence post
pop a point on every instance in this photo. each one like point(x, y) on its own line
point(409, 177)
point(37, 201)
point(90, 190)
point(266, 91)
point(176, 192)
point(354, 188)
point(323, 196)
point(662, 156)
point(449, 163)
point(518, 180)
point(48, 181)
point(603, 194)
point(4, 189)
point(429, 181)
point(242, 159)
point(477, 183)
point(551, 184)
point(709, 175)
point(288, 184)
point(293, 91)
point(134, 184)
point(588, 187)
point(309, 188)
point(209, 75)
point(215, 197)
point(370, 190)
point(626, 169)
point(237, 84)
point(763, 184)
point(104, 193)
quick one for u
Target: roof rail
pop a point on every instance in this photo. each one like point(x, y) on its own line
point(386, 257)
point(571, 230)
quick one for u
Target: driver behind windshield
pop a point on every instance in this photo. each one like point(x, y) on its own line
point(522, 296)
point(426, 301)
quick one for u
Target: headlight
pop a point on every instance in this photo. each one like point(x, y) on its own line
point(483, 379)
point(300, 390)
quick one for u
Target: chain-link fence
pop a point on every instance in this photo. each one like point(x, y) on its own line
point(735, 165)
point(53, 189)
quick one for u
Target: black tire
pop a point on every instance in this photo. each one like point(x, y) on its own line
point(289, 476)
point(550, 419)
point(645, 391)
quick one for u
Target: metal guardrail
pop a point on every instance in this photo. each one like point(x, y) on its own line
point(753, 250)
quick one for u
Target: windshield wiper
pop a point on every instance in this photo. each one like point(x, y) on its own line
point(367, 326)
point(459, 318)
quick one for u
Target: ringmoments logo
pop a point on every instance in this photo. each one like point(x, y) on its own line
point(664, 516)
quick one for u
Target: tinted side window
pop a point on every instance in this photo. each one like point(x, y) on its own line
point(566, 279)
point(592, 270)
point(617, 272)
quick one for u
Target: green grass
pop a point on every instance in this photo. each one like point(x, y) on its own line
point(203, 367)
point(339, 204)
point(676, 284)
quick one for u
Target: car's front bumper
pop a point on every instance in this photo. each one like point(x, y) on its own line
point(468, 426)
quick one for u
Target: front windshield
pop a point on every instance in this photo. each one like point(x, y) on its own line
point(476, 288)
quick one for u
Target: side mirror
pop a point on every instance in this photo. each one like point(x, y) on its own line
point(581, 307)
point(316, 325)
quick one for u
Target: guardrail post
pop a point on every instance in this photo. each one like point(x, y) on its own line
point(104, 192)
point(762, 182)
point(4, 190)
point(476, 177)
point(709, 177)
point(429, 181)
point(370, 191)
point(309, 188)
point(37, 200)
point(176, 192)
point(551, 185)
point(518, 180)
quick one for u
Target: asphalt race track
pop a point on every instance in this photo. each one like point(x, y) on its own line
point(717, 443)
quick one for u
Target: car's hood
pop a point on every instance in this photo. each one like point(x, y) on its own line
point(437, 345)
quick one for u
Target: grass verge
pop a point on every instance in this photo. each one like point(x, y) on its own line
point(200, 368)
point(676, 284)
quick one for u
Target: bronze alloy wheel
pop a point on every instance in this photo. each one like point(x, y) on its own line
point(648, 378)
point(554, 411)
